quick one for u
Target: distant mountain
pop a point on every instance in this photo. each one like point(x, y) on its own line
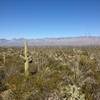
point(71, 41)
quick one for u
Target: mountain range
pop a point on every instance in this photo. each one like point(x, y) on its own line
point(66, 41)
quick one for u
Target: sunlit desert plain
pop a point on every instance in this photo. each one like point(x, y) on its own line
point(54, 73)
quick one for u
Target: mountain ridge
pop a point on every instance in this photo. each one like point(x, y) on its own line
point(65, 41)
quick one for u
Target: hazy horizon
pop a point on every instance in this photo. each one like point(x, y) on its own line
point(81, 36)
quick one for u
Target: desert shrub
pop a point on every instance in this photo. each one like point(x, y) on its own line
point(3, 87)
point(22, 87)
point(2, 74)
point(51, 68)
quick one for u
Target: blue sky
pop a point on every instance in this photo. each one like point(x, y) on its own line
point(49, 18)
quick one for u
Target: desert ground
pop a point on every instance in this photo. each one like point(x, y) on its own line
point(55, 73)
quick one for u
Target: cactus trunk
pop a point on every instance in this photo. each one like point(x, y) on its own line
point(26, 59)
point(4, 58)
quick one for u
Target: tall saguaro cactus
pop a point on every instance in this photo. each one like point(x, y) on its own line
point(26, 67)
point(4, 58)
point(26, 58)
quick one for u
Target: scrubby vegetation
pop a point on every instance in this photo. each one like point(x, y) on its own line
point(55, 73)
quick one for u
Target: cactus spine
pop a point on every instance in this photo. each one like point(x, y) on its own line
point(26, 67)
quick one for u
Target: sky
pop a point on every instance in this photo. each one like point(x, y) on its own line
point(49, 18)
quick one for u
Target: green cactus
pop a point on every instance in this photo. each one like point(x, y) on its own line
point(4, 58)
point(26, 59)
point(73, 92)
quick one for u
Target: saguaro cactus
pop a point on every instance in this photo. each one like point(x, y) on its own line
point(4, 58)
point(26, 58)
